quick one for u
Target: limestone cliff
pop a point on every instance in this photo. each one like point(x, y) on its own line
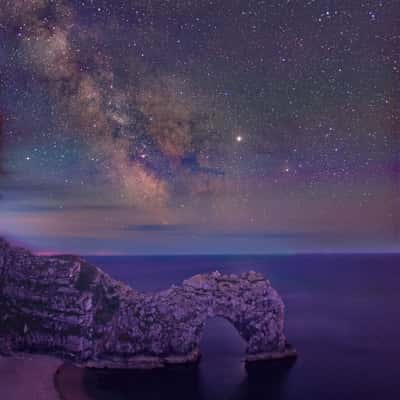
point(64, 306)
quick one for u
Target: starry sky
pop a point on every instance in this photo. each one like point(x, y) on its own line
point(200, 127)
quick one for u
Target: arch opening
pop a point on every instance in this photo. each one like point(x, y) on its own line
point(221, 339)
point(221, 368)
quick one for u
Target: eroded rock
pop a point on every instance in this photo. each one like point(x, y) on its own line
point(64, 306)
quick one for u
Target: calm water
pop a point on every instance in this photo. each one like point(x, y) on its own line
point(342, 316)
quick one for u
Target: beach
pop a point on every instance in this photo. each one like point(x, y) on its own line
point(28, 377)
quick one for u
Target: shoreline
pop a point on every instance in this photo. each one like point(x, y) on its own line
point(68, 382)
point(29, 377)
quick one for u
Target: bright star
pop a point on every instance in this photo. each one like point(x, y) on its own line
point(239, 138)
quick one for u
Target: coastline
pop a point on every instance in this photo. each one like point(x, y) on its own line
point(29, 377)
point(68, 382)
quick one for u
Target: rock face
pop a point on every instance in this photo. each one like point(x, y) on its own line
point(64, 306)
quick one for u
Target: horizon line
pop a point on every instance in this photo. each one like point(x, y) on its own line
point(300, 253)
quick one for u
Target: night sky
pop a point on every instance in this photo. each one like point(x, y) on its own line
point(155, 127)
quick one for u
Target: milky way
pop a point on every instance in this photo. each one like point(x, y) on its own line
point(252, 126)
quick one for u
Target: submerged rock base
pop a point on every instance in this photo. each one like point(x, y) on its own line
point(288, 352)
point(66, 307)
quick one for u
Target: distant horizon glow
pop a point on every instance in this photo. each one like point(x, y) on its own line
point(226, 249)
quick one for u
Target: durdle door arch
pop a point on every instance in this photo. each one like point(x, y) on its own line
point(69, 308)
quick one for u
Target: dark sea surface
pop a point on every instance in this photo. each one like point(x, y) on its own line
point(342, 315)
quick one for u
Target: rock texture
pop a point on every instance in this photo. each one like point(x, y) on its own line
point(64, 306)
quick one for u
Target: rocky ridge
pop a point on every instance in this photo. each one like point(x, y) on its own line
point(64, 306)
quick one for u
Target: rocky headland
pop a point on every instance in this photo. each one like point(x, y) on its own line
point(68, 308)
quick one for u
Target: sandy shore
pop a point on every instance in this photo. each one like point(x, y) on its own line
point(28, 377)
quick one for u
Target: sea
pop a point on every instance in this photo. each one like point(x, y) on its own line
point(342, 316)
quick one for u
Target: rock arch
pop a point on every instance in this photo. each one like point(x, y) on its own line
point(69, 308)
point(247, 301)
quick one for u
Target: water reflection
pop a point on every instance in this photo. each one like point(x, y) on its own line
point(178, 383)
point(266, 381)
point(181, 383)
